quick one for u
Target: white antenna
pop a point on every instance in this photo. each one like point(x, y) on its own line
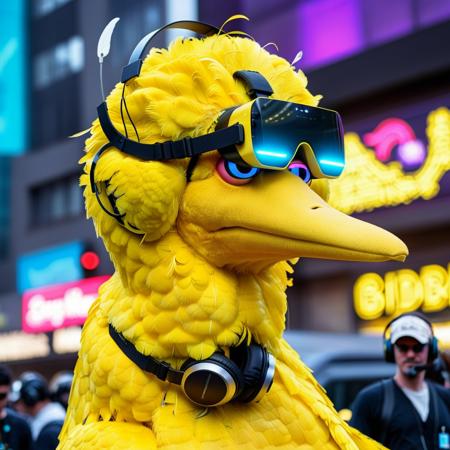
point(297, 58)
point(103, 46)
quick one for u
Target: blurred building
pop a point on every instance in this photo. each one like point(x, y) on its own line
point(383, 65)
point(45, 238)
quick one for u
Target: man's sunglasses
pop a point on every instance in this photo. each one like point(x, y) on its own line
point(416, 348)
point(3, 395)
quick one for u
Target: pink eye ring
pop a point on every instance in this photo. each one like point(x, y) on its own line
point(300, 170)
point(235, 174)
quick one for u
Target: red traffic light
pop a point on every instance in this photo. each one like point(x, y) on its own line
point(89, 260)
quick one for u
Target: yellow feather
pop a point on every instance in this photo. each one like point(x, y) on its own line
point(168, 296)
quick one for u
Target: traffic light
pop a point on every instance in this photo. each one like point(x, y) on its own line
point(89, 261)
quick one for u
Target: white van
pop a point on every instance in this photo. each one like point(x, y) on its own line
point(342, 363)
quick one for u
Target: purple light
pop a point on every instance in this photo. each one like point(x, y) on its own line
point(388, 134)
point(329, 30)
point(300, 170)
point(412, 153)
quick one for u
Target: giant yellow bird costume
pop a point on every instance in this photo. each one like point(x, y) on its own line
point(202, 265)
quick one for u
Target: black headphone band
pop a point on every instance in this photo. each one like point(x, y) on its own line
point(250, 375)
point(162, 151)
point(145, 362)
point(133, 68)
point(255, 83)
point(33, 391)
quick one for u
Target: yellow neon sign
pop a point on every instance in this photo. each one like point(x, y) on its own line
point(402, 291)
point(366, 183)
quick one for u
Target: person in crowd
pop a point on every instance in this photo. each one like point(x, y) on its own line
point(47, 417)
point(60, 385)
point(406, 412)
point(14, 430)
point(439, 371)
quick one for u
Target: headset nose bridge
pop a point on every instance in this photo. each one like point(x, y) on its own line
point(303, 152)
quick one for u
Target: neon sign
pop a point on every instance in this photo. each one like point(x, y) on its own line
point(17, 345)
point(402, 291)
point(66, 340)
point(13, 80)
point(396, 132)
point(53, 265)
point(367, 183)
point(59, 306)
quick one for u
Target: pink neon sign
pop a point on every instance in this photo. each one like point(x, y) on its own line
point(59, 306)
point(391, 133)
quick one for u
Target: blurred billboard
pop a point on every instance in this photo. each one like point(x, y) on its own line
point(13, 135)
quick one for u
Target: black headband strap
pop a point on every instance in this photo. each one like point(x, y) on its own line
point(190, 168)
point(145, 362)
point(133, 68)
point(255, 83)
point(162, 151)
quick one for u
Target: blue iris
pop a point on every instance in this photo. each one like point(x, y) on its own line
point(240, 171)
point(300, 170)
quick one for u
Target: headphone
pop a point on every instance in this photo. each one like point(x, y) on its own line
point(433, 349)
point(59, 387)
point(34, 389)
point(223, 138)
point(245, 376)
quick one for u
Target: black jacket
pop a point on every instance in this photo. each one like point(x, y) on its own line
point(48, 436)
point(405, 427)
point(14, 432)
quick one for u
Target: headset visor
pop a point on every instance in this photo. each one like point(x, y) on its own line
point(284, 131)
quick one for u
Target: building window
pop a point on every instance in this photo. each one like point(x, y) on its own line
point(5, 180)
point(57, 201)
point(65, 59)
point(56, 113)
point(44, 7)
point(134, 24)
point(330, 30)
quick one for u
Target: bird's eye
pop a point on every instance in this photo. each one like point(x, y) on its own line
point(300, 170)
point(234, 173)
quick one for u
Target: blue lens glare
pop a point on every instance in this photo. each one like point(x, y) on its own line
point(331, 163)
point(331, 168)
point(273, 158)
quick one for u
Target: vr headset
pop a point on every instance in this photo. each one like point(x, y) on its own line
point(278, 132)
point(263, 133)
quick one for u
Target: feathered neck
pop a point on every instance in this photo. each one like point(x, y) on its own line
point(172, 304)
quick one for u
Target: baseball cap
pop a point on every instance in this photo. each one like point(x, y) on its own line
point(411, 326)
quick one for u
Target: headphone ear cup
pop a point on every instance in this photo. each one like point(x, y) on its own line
point(213, 381)
point(29, 396)
point(433, 352)
point(388, 351)
point(254, 366)
point(32, 392)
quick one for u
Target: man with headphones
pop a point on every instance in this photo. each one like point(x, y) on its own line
point(15, 432)
point(406, 412)
point(46, 416)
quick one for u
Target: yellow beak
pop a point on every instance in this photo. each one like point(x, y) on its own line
point(276, 217)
